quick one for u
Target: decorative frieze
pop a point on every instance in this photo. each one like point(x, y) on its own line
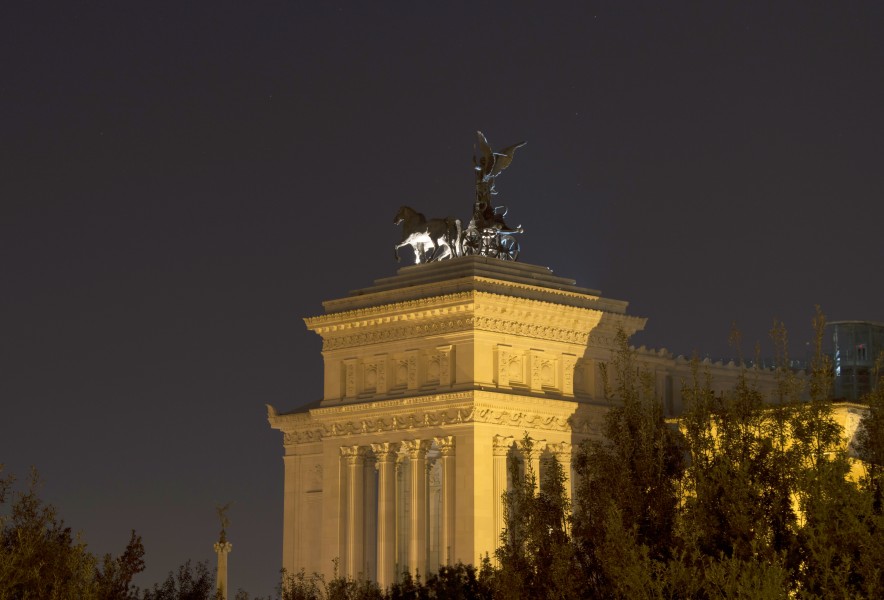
point(472, 323)
point(438, 418)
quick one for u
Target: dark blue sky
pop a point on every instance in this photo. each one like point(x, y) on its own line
point(181, 183)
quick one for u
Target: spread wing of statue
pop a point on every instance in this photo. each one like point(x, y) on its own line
point(490, 164)
point(222, 515)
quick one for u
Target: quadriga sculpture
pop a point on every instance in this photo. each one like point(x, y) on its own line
point(487, 233)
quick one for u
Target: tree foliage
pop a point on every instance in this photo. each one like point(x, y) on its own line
point(40, 558)
point(535, 555)
point(192, 581)
point(627, 484)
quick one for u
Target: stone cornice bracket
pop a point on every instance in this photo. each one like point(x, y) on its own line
point(385, 452)
point(445, 444)
point(416, 448)
point(501, 444)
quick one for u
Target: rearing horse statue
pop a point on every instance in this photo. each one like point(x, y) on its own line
point(432, 239)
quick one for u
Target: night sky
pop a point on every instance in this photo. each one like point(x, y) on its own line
point(181, 183)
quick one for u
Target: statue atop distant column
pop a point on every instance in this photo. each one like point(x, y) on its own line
point(222, 549)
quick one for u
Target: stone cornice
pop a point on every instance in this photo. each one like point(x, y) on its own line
point(435, 411)
point(439, 306)
point(463, 311)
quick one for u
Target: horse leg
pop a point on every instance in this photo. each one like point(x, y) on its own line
point(443, 250)
point(420, 254)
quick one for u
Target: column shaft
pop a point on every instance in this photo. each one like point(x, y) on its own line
point(354, 506)
point(385, 454)
point(446, 533)
point(222, 549)
point(417, 543)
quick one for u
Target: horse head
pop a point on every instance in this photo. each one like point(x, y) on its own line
point(402, 214)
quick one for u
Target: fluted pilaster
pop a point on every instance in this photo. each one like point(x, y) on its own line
point(501, 445)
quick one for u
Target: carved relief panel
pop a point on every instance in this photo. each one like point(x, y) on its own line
point(438, 367)
point(348, 367)
point(510, 366)
point(569, 362)
point(312, 477)
point(374, 375)
point(544, 371)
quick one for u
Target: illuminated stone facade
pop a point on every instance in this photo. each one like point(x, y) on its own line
point(431, 379)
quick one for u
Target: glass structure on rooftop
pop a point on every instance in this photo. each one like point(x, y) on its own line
point(855, 347)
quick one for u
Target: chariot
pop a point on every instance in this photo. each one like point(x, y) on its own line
point(490, 237)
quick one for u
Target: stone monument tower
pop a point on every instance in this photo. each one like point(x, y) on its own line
point(432, 377)
point(222, 549)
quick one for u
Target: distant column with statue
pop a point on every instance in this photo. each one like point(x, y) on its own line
point(222, 549)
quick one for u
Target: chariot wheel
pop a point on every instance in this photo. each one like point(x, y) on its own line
point(508, 248)
point(472, 243)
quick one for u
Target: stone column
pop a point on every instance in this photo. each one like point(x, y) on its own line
point(501, 447)
point(417, 544)
point(385, 455)
point(562, 452)
point(371, 517)
point(533, 457)
point(446, 533)
point(354, 509)
point(222, 549)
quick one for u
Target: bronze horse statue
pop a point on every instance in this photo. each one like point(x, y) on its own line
point(432, 239)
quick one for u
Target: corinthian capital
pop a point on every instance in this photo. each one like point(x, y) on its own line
point(354, 454)
point(416, 448)
point(385, 452)
point(502, 444)
point(561, 449)
point(445, 444)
